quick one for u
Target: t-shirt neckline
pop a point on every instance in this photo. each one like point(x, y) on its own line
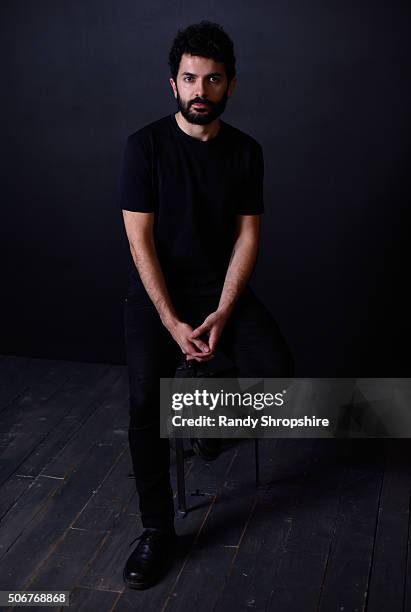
point(196, 141)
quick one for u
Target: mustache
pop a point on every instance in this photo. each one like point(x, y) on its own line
point(207, 102)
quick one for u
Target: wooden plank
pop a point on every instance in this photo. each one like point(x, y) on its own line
point(29, 505)
point(31, 401)
point(79, 405)
point(314, 519)
point(250, 580)
point(105, 508)
point(11, 491)
point(35, 375)
point(301, 565)
point(65, 565)
point(295, 583)
point(14, 373)
point(68, 410)
point(346, 579)
point(389, 564)
point(47, 528)
point(206, 568)
point(98, 513)
point(43, 407)
point(83, 475)
point(91, 531)
point(407, 589)
point(89, 600)
point(108, 415)
point(196, 576)
point(104, 569)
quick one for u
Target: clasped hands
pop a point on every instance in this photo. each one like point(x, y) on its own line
point(190, 340)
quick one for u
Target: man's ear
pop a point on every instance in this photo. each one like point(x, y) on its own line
point(173, 85)
point(231, 86)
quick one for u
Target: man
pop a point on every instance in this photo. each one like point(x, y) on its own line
point(191, 191)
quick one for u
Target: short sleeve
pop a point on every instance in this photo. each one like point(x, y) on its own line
point(252, 190)
point(135, 191)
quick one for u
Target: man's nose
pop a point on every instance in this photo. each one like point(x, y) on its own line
point(201, 89)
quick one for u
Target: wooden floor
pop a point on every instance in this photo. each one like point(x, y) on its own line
point(330, 530)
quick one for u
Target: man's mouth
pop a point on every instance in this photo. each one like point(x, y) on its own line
point(200, 105)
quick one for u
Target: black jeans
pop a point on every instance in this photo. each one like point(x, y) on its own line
point(252, 341)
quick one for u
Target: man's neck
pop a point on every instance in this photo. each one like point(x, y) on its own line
point(201, 132)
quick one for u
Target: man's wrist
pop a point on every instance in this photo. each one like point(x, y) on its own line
point(225, 310)
point(170, 321)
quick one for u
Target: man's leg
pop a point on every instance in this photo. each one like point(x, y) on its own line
point(151, 354)
point(253, 341)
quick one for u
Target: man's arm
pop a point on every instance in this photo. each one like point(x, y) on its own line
point(239, 270)
point(139, 230)
point(242, 262)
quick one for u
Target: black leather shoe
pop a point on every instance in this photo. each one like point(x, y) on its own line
point(207, 448)
point(150, 559)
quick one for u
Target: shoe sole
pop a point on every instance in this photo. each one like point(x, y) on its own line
point(141, 586)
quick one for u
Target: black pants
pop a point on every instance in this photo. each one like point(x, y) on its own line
point(251, 339)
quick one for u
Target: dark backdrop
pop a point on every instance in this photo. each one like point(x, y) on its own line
point(324, 86)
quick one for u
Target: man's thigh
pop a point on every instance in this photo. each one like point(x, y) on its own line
point(151, 350)
point(151, 353)
point(252, 340)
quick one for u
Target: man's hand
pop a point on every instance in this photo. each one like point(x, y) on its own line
point(182, 334)
point(212, 326)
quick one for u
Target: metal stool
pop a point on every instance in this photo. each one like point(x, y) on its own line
point(193, 369)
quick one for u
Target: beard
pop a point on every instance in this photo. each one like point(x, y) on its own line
point(204, 116)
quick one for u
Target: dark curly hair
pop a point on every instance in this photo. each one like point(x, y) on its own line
point(206, 39)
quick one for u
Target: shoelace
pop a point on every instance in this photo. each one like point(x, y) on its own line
point(144, 535)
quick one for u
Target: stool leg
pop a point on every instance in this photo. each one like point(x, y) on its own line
point(181, 487)
point(257, 463)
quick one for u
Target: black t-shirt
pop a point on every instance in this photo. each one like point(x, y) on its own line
point(195, 189)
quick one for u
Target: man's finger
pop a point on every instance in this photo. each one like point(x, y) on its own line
point(212, 341)
point(199, 330)
point(191, 350)
point(201, 345)
point(204, 358)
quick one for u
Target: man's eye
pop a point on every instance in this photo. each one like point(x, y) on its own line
point(213, 79)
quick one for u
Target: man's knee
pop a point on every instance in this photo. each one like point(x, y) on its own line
point(144, 403)
point(278, 362)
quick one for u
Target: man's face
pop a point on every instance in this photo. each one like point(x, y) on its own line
point(201, 89)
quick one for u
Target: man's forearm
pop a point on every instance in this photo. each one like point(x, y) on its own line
point(152, 277)
point(239, 271)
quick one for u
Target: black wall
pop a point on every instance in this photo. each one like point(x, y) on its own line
point(324, 86)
